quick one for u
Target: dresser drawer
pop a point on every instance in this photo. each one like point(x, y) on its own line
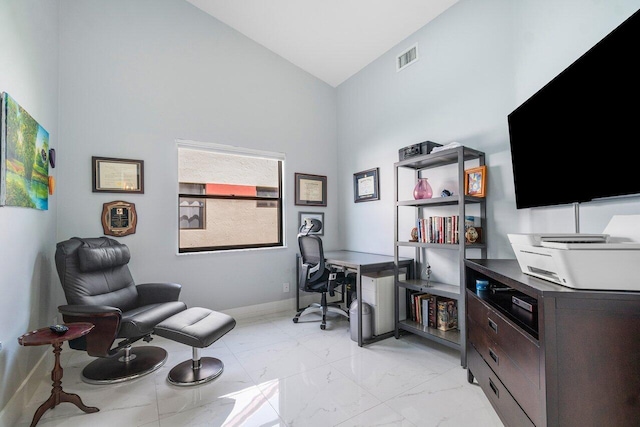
point(524, 391)
point(523, 351)
point(505, 405)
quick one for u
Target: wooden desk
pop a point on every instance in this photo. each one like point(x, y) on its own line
point(45, 336)
point(363, 262)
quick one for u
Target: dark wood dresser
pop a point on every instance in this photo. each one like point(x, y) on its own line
point(573, 360)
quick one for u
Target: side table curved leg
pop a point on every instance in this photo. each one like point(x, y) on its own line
point(75, 399)
point(57, 394)
point(55, 399)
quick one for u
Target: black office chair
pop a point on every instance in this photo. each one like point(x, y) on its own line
point(99, 289)
point(315, 276)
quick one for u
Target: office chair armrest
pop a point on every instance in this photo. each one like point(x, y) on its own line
point(106, 321)
point(336, 277)
point(314, 273)
point(303, 277)
point(154, 293)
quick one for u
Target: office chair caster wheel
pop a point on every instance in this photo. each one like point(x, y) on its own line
point(295, 320)
point(323, 327)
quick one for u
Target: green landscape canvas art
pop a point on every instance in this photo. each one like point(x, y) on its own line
point(25, 163)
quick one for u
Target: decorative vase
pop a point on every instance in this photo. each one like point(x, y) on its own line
point(422, 189)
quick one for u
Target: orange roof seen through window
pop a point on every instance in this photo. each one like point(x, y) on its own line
point(231, 190)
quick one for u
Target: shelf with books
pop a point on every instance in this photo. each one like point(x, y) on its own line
point(432, 310)
point(434, 229)
point(451, 246)
point(438, 229)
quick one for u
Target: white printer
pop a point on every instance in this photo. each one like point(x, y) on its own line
point(608, 261)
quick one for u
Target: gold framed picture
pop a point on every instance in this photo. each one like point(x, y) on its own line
point(119, 218)
point(475, 181)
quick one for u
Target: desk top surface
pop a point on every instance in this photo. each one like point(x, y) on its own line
point(362, 259)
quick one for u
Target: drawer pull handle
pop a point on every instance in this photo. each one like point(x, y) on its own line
point(494, 388)
point(493, 325)
point(494, 356)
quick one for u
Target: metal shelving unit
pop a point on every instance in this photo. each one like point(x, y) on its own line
point(429, 207)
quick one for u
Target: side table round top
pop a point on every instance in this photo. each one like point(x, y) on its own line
point(45, 335)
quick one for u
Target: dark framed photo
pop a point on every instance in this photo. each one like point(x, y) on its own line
point(112, 175)
point(366, 186)
point(475, 181)
point(315, 215)
point(311, 190)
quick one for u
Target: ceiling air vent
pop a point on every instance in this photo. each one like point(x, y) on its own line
point(407, 57)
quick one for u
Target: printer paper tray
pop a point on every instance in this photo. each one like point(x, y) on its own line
point(592, 246)
point(582, 269)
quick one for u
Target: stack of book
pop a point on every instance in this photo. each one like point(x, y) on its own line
point(438, 229)
point(433, 311)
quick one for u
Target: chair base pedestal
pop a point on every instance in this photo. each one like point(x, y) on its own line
point(323, 310)
point(192, 372)
point(126, 365)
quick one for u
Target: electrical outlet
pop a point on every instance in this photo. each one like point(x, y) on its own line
point(285, 287)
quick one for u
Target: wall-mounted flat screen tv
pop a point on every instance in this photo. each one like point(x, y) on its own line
point(578, 138)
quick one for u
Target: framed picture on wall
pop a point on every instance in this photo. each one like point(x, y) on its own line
point(315, 215)
point(24, 158)
point(311, 190)
point(112, 175)
point(366, 186)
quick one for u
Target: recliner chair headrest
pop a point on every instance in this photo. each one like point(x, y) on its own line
point(93, 259)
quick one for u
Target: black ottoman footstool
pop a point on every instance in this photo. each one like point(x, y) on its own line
point(199, 328)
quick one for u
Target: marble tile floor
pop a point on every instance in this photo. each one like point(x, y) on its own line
point(278, 373)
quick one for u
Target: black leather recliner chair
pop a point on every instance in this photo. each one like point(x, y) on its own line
point(99, 289)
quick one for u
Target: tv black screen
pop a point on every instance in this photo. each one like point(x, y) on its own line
point(578, 138)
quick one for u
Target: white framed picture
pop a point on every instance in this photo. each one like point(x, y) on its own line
point(315, 215)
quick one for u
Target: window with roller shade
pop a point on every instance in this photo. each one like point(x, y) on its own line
point(229, 198)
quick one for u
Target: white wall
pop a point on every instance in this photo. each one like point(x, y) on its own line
point(478, 62)
point(549, 36)
point(29, 294)
point(137, 75)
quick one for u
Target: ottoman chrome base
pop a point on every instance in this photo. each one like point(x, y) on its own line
point(199, 370)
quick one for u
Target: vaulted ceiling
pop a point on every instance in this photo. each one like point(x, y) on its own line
point(330, 39)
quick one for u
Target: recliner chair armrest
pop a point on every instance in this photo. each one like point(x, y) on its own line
point(154, 293)
point(87, 310)
point(106, 321)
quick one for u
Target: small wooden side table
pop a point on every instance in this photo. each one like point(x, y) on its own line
point(45, 336)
